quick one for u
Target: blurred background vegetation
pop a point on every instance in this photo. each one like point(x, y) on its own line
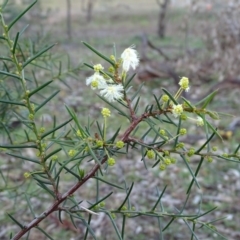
point(197, 39)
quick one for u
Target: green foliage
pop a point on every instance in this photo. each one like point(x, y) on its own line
point(69, 149)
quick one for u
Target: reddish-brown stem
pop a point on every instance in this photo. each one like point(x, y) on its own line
point(91, 173)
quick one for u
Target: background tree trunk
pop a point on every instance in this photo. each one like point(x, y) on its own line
point(69, 20)
point(162, 17)
point(89, 10)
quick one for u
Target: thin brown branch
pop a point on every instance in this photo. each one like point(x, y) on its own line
point(91, 173)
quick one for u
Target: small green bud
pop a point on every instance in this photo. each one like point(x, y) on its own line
point(124, 208)
point(99, 143)
point(54, 158)
point(112, 57)
point(79, 133)
point(166, 153)
point(96, 208)
point(150, 154)
point(43, 145)
point(71, 152)
point(180, 145)
point(106, 112)
point(173, 160)
point(98, 67)
point(31, 116)
point(183, 131)
point(111, 69)
point(111, 162)
point(32, 106)
point(225, 155)
point(27, 93)
point(184, 83)
point(162, 132)
point(86, 149)
point(165, 98)
point(185, 105)
point(119, 144)
point(167, 161)
point(162, 166)
point(102, 204)
point(214, 148)
point(209, 159)
point(213, 115)
point(191, 152)
point(113, 215)
point(81, 172)
point(27, 174)
point(42, 129)
point(183, 117)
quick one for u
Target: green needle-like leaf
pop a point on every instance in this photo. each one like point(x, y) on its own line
point(15, 43)
point(115, 107)
point(190, 170)
point(99, 54)
point(137, 92)
point(52, 153)
point(102, 199)
point(18, 146)
point(12, 102)
point(24, 158)
point(102, 72)
point(207, 99)
point(95, 157)
point(37, 55)
point(126, 198)
point(9, 74)
point(238, 147)
point(20, 15)
point(204, 213)
point(6, 59)
point(170, 96)
point(115, 226)
point(170, 222)
point(71, 172)
point(23, 30)
point(29, 205)
point(123, 225)
point(196, 173)
point(157, 102)
point(189, 227)
point(213, 230)
point(47, 100)
point(203, 146)
point(45, 188)
point(7, 132)
point(188, 103)
point(47, 235)
point(109, 183)
point(4, 4)
point(18, 223)
point(39, 88)
point(154, 207)
point(129, 81)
